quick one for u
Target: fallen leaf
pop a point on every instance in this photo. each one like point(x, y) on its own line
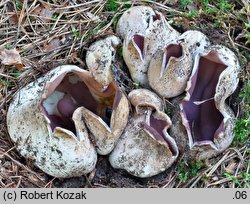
point(93, 17)
point(52, 45)
point(11, 57)
point(45, 12)
point(13, 19)
point(231, 167)
point(215, 178)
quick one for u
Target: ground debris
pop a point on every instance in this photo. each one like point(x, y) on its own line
point(11, 57)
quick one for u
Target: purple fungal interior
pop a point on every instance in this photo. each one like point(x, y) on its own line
point(139, 41)
point(68, 93)
point(156, 128)
point(172, 50)
point(204, 119)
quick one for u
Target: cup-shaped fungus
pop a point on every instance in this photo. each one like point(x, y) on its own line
point(145, 148)
point(208, 120)
point(147, 34)
point(50, 120)
point(99, 59)
point(170, 68)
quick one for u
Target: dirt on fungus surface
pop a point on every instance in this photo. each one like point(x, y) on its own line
point(47, 35)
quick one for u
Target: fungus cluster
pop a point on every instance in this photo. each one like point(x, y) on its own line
point(66, 118)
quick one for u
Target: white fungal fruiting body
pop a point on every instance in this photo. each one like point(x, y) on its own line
point(99, 58)
point(225, 85)
point(134, 20)
point(145, 148)
point(59, 151)
point(195, 41)
point(149, 33)
point(169, 70)
point(169, 79)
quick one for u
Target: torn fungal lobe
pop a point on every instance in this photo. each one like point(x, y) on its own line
point(204, 120)
point(172, 50)
point(67, 93)
point(155, 126)
point(139, 40)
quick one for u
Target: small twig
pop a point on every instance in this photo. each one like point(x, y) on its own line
point(224, 180)
point(19, 181)
point(78, 5)
point(218, 164)
point(101, 185)
point(167, 184)
point(50, 183)
point(1, 156)
point(199, 177)
point(242, 46)
point(22, 166)
point(7, 76)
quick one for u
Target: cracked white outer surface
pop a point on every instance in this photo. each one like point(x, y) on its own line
point(99, 59)
point(134, 20)
point(170, 79)
point(61, 153)
point(137, 151)
point(152, 25)
point(195, 41)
